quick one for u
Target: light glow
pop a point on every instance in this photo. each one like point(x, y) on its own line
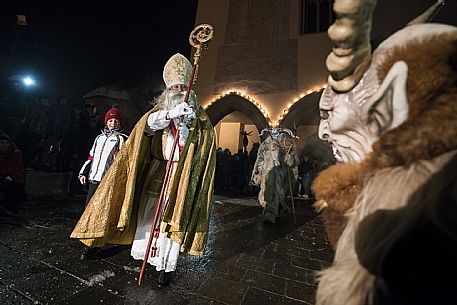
point(28, 81)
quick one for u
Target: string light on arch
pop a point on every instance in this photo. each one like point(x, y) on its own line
point(242, 94)
point(296, 99)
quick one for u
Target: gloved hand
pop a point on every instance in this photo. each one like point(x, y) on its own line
point(183, 134)
point(179, 110)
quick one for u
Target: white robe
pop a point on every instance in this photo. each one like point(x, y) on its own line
point(167, 252)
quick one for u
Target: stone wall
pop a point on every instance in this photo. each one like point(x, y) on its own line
point(258, 54)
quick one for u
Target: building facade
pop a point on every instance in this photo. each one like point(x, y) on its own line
point(262, 63)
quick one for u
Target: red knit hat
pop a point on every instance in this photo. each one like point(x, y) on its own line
point(113, 113)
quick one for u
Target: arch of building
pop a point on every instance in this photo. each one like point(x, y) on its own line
point(306, 112)
point(232, 103)
point(303, 112)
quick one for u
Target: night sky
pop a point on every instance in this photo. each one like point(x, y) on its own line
point(74, 46)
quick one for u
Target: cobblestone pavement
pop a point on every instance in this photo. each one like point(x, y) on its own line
point(247, 261)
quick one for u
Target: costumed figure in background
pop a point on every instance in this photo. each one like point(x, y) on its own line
point(131, 187)
point(101, 156)
point(276, 157)
point(390, 205)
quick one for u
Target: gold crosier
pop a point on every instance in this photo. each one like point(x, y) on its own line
point(198, 38)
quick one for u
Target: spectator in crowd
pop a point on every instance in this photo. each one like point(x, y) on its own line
point(35, 125)
point(92, 124)
point(306, 174)
point(71, 142)
point(227, 163)
point(12, 175)
point(218, 184)
point(59, 119)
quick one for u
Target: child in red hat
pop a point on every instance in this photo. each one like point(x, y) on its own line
point(101, 156)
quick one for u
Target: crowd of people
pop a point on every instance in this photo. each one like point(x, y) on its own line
point(233, 171)
point(57, 136)
point(52, 137)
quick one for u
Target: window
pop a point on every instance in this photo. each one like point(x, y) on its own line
point(315, 15)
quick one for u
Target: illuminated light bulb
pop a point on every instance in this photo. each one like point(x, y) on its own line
point(309, 91)
point(295, 100)
point(302, 95)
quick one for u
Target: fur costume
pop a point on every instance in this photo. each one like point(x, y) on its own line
point(276, 163)
point(402, 134)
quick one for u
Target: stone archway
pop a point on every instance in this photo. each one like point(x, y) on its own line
point(231, 103)
point(303, 112)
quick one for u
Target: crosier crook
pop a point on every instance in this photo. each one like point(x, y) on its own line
point(198, 38)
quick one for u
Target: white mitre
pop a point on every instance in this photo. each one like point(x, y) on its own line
point(177, 71)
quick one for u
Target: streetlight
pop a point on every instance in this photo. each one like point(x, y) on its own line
point(28, 81)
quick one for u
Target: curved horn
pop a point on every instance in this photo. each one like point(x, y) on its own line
point(350, 33)
point(263, 130)
point(428, 14)
point(289, 132)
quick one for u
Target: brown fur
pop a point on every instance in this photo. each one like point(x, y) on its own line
point(431, 128)
point(339, 186)
point(432, 97)
point(334, 224)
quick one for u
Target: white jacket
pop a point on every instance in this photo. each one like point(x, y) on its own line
point(102, 154)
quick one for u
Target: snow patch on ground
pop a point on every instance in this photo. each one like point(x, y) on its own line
point(134, 269)
point(98, 278)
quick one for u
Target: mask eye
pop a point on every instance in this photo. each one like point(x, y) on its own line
point(324, 114)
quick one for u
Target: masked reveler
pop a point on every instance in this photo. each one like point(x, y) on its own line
point(389, 205)
point(275, 169)
point(131, 188)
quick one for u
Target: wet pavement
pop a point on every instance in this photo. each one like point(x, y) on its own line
point(247, 261)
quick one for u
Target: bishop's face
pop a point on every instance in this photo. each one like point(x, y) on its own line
point(175, 95)
point(179, 88)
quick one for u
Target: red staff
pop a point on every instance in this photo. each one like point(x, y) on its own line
point(198, 38)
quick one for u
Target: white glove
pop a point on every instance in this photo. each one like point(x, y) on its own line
point(179, 110)
point(183, 134)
